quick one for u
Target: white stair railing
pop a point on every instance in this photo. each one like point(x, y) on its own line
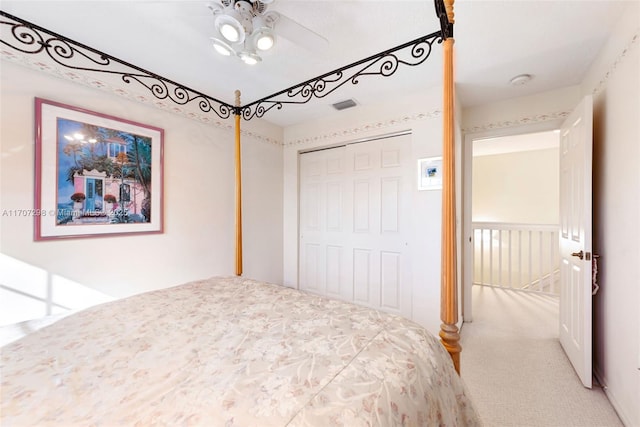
point(516, 256)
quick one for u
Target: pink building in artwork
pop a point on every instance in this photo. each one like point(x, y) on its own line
point(96, 185)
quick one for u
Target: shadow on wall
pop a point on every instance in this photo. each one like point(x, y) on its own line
point(28, 292)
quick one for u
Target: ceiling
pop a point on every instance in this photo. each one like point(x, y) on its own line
point(554, 41)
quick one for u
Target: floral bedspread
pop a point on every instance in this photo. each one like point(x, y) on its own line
point(231, 352)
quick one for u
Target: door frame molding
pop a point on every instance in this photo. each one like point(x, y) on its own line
point(355, 141)
point(467, 189)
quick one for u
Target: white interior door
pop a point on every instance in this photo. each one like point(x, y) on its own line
point(323, 222)
point(576, 145)
point(355, 210)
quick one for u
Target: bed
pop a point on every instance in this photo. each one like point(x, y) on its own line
point(231, 352)
point(237, 352)
point(30, 39)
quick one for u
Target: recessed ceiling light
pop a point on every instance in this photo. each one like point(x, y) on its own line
point(521, 79)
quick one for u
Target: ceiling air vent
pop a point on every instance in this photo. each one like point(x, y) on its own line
point(343, 105)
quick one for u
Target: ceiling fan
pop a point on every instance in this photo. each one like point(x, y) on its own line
point(245, 27)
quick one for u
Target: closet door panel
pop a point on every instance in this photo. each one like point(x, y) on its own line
point(355, 205)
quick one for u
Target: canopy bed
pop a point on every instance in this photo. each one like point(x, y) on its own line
point(323, 387)
point(233, 352)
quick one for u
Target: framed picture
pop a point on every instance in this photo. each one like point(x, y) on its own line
point(430, 173)
point(96, 175)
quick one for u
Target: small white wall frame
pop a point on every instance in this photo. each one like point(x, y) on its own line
point(430, 173)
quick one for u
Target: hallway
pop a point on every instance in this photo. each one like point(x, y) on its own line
point(516, 370)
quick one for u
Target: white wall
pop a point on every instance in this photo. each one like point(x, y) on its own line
point(528, 113)
point(419, 113)
point(521, 187)
point(198, 240)
point(615, 77)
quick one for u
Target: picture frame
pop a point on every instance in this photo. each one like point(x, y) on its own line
point(95, 174)
point(430, 173)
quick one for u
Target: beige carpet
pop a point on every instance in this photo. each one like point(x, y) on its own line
point(516, 370)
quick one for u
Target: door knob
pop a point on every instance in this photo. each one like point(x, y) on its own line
point(578, 254)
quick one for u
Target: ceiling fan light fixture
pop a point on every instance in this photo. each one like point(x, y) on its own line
point(245, 29)
point(230, 26)
point(264, 39)
point(230, 32)
point(249, 58)
point(222, 47)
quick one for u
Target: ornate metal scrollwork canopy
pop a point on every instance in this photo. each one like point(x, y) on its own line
point(31, 39)
point(382, 64)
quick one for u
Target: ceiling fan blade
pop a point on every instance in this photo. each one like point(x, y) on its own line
point(299, 34)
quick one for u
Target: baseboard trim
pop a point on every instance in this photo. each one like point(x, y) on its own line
point(616, 406)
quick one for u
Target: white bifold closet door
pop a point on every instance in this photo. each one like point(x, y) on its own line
point(355, 213)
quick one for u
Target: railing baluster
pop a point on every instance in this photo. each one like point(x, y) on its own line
point(510, 261)
point(540, 261)
point(519, 259)
point(552, 264)
point(500, 258)
point(482, 256)
point(491, 257)
point(530, 261)
point(535, 254)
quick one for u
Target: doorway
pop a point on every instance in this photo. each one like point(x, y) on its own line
point(511, 211)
